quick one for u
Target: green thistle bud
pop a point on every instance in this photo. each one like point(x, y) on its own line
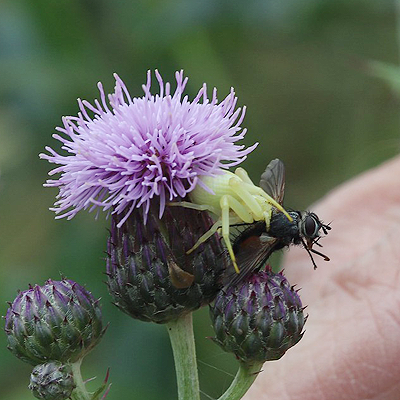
point(259, 319)
point(150, 276)
point(60, 320)
point(52, 381)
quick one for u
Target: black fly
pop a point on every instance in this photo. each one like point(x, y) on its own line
point(254, 245)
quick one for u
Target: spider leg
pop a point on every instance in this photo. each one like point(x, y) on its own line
point(243, 175)
point(225, 229)
point(241, 212)
point(241, 189)
point(193, 206)
point(257, 190)
point(267, 217)
point(228, 203)
point(206, 236)
point(217, 225)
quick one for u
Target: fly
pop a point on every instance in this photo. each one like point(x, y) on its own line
point(255, 244)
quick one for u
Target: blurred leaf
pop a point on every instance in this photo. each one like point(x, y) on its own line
point(389, 73)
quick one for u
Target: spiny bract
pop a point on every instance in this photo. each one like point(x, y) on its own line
point(258, 319)
point(52, 381)
point(60, 320)
point(150, 276)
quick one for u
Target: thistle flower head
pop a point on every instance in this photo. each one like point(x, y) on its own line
point(60, 321)
point(150, 276)
point(52, 381)
point(259, 319)
point(124, 152)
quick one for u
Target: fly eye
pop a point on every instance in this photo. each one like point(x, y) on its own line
point(311, 227)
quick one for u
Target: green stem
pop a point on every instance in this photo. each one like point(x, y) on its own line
point(397, 9)
point(244, 378)
point(182, 341)
point(80, 392)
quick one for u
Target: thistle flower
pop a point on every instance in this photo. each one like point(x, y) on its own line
point(259, 319)
point(150, 276)
point(52, 381)
point(132, 150)
point(60, 321)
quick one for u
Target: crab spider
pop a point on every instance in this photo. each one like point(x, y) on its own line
point(235, 200)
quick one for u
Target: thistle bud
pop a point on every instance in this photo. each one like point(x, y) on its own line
point(52, 381)
point(150, 276)
point(259, 319)
point(60, 320)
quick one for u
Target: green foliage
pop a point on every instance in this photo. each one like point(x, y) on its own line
point(389, 73)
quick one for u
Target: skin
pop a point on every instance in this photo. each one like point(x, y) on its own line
point(351, 348)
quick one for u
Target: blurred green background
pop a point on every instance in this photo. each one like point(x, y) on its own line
point(299, 66)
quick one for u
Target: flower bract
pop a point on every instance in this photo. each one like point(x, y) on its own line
point(258, 319)
point(150, 276)
point(60, 320)
point(52, 381)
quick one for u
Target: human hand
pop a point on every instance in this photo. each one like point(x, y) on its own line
point(351, 348)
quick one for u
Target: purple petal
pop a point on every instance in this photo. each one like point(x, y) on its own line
point(121, 152)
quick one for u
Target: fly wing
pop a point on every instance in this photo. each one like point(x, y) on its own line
point(252, 255)
point(273, 180)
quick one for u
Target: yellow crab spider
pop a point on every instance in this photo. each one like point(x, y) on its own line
point(235, 200)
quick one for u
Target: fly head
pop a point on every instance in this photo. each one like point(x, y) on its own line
point(310, 228)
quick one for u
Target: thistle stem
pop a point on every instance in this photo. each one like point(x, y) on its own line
point(397, 9)
point(183, 347)
point(244, 378)
point(80, 392)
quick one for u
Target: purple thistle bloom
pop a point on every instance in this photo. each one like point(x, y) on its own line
point(135, 149)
